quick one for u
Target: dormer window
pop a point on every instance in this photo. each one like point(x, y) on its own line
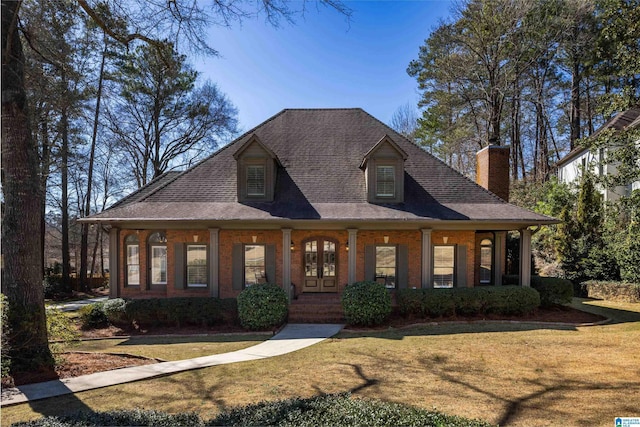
point(257, 169)
point(383, 167)
point(255, 180)
point(385, 181)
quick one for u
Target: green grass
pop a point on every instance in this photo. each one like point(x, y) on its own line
point(507, 374)
point(172, 348)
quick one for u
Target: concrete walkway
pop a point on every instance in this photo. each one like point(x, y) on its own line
point(293, 337)
point(76, 305)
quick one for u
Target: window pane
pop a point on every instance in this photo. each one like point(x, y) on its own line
point(159, 265)
point(443, 266)
point(386, 265)
point(255, 180)
point(132, 255)
point(311, 259)
point(197, 265)
point(385, 181)
point(158, 237)
point(485, 261)
point(254, 264)
point(329, 261)
point(133, 275)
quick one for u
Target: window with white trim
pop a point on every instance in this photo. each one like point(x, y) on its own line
point(443, 266)
point(255, 180)
point(197, 266)
point(486, 261)
point(158, 258)
point(386, 257)
point(132, 249)
point(254, 264)
point(385, 181)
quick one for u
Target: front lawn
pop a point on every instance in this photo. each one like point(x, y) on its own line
point(508, 374)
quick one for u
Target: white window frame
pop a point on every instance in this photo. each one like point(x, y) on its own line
point(388, 178)
point(390, 281)
point(256, 180)
point(253, 278)
point(483, 249)
point(439, 264)
point(131, 243)
point(189, 266)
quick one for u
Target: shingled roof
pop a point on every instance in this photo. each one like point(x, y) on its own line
point(320, 152)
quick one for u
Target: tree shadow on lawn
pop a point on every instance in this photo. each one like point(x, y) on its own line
point(549, 391)
point(617, 315)
point(451, 328)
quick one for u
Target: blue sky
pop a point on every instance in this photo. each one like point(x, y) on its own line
point(323, 60)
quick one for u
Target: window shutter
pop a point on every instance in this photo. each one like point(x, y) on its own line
point(461, 266)
point(237, 262)
point(270, 263)
point(178, 266)
point(369, 262)
point(402, 267)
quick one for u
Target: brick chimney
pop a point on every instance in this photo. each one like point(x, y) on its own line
point(492, 170)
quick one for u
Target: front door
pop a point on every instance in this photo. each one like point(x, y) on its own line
point(320, 267)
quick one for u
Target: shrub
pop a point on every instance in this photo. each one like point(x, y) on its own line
point(326, 410)
point(60, 326)
point(505, 300)
point(552, 290)
point(115, 310)
point(203, 311)
point(92, 316)
point(262, 306)
point(366, 303)
point(54, 287)
point(613, 291)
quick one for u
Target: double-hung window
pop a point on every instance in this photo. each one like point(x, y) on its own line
point(255, 180)
point(197, 266)
point(254, 264)
point(443, 266)
point(385, 181)
point(132, 248)
point(158, 258)
point(486, 261)
point(386, 257)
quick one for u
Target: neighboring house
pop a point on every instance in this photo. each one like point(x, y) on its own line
point(314, 199)
point(569, 168)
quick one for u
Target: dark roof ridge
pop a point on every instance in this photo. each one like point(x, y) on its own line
point(439, 160)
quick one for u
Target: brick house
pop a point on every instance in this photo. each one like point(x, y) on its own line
point(314, 199)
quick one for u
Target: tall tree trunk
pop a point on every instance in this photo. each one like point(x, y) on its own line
point(84, 240)
point(575, 103)
point(64, 203)
point(21, 219)
point(45, 160)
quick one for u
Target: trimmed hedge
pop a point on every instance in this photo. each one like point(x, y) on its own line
point(506, 300)
point(201, 311)
point(612, 291)
point(327, 410)
point(262, 306)
point(366, 303)
point(92, 316)
point(552, 290)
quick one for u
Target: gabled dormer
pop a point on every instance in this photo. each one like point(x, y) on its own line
point(257, 167)
point(383, 167)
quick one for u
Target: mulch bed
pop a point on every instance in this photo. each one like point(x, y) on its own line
point(77, 363)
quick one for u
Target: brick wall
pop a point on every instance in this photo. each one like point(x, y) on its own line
point(227, 238)
point(492, 170)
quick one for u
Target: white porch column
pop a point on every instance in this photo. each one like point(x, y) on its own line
point(286, 261)
point(500, 251)
point(353, 252)
point(427, 257)
point(114, 270)
point(214, 262)
point(525, 257)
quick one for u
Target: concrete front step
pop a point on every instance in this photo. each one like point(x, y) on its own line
point(316, 308)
